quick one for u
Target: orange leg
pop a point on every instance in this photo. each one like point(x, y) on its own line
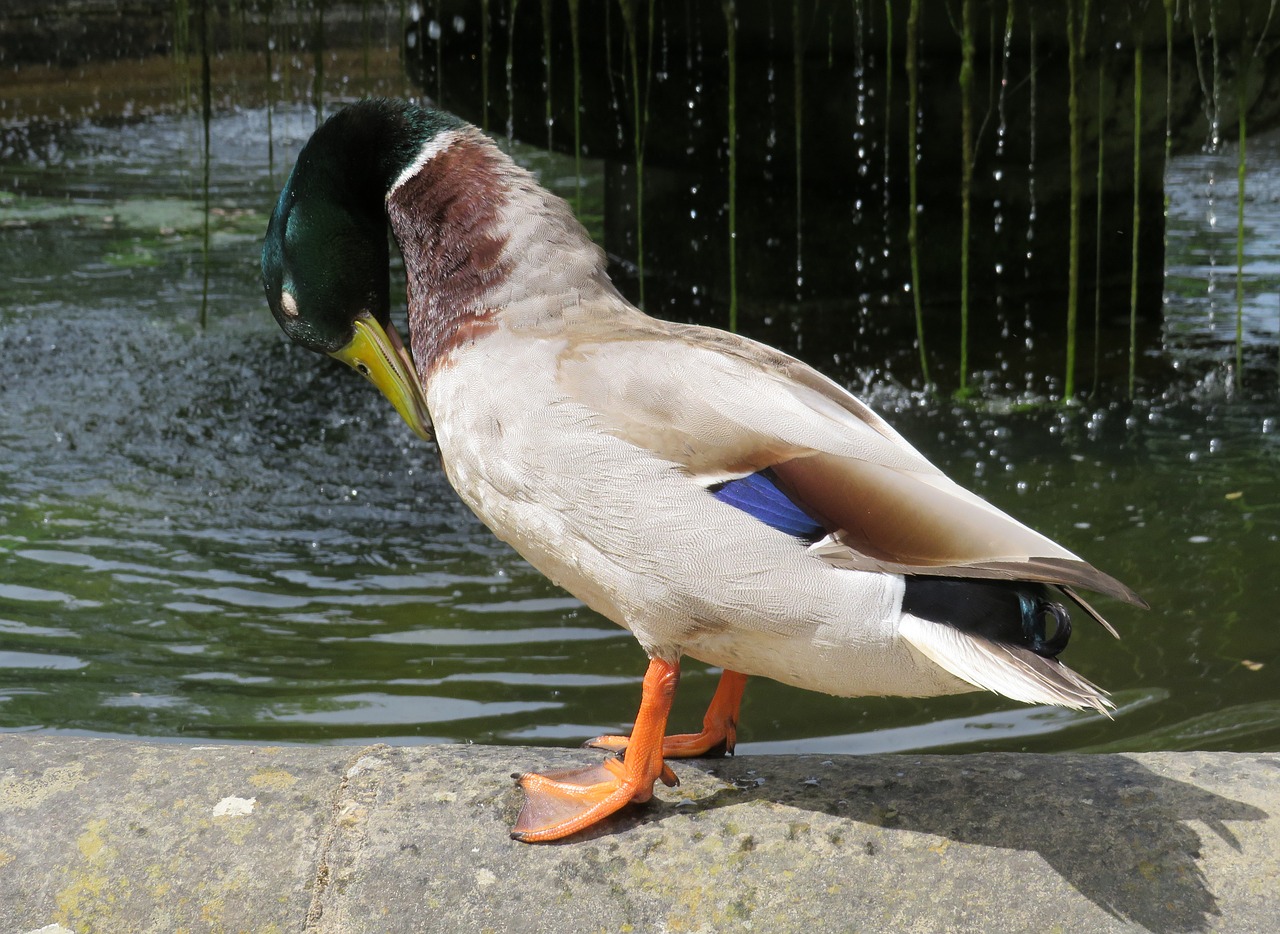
point(562, 803)
point(719, 727)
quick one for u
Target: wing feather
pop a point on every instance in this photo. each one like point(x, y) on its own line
point(722, 407)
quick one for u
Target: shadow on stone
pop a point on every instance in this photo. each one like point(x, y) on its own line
point(1117, 832)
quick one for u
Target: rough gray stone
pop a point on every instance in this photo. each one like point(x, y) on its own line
point(105, 835)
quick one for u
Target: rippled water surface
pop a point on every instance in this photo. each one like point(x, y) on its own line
point(210, 533)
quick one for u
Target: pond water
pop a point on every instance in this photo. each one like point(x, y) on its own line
point(208, 533)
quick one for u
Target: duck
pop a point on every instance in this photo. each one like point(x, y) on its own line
point(718, 498)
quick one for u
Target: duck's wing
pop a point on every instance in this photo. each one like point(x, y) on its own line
point(723, 407)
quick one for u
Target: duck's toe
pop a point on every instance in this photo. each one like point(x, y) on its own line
point(609, 743)
point(711, 744)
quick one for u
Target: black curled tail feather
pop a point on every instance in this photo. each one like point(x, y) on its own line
point(1003, 636)
point(1007, 612)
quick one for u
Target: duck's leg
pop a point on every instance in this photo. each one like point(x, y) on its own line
point(562, 803)
point(719, 726)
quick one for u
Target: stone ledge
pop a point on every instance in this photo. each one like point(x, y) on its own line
point(115, 836)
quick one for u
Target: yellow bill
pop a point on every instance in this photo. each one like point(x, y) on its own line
point(381, 356)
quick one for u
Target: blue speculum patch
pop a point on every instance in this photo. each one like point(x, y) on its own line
point(759, 496)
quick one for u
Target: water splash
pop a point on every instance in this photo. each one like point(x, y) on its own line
point(913, 158)
point(1002, 135)
point(731, 38)
point(1006, 56)
point(640, 121)
point(966, 181)
point(440, 53)
point(269, 47)
point(1244, 73)
point(546, 60)
point(1077, 31)
point(485, 48)
point(1099, 178)
point(1137, 214)
point(1214, 36)
point(1032, 72)
point(864, 253)
point(1169, 7)
point(797, 68)
point(887, 135)
point(317, 52)
point(206, 117)
point(512, 5)
point(1243, 70)
point(577, 105)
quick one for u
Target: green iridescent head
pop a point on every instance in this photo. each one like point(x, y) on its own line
point(325, 256)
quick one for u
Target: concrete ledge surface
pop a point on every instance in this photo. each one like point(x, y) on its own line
point(120, 836)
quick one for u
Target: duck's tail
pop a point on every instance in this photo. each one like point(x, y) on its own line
point(1010, 670)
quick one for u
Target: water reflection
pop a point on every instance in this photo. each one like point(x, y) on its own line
point(192, 543)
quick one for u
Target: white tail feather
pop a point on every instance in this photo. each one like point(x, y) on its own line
point(1005, 669)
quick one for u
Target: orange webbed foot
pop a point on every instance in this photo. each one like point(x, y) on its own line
point(562, 803)
point(559, 804)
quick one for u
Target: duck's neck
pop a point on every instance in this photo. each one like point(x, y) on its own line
point(483, 244)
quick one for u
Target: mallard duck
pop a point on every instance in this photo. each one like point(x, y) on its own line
point(716, 497)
